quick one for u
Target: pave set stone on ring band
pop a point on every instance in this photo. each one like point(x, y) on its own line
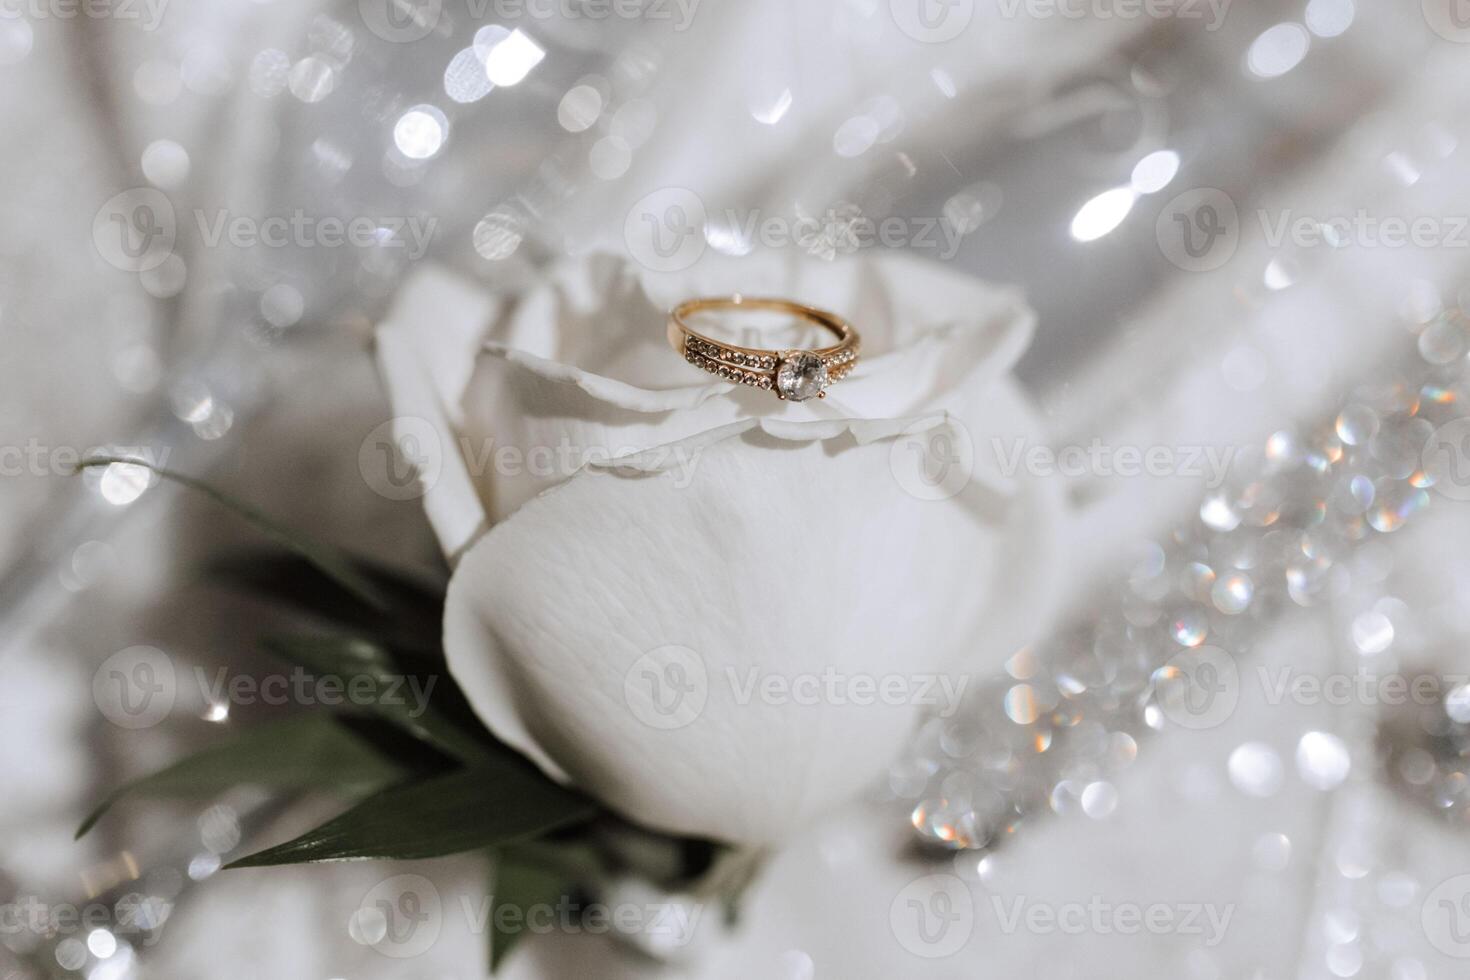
point(794, 375)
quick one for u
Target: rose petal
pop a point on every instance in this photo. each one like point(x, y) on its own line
point(766, 549)
point(426, 348)
point(593, 377)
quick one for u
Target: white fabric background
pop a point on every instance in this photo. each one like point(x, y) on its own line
point(1155, 378)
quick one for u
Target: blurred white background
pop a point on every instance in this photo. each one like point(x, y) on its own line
point(1063, 147)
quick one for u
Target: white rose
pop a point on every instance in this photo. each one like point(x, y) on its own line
point(734, 626)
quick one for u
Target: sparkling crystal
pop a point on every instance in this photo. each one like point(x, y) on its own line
point(1322, 760)
point(1189, 626)
point(1307, 580)
point(1065, 797)
point(1021, 704)
point(1099, 800)
point(1232, 594)
point(1304, 517)
point(802, 375)
point(1122, 749)
point(948, 824)
point(1372, 632)
point(1442, 341)
point(1354, 495)
point(1399, 447)
point(1255, 769)
point(1281, 448)
point(1396, 503)
point(1259, 503)
point(1022, 664)
point(1217, 513)
point(959, 739)
point(909, 777)
point(1197, 580)
point(1356, 424)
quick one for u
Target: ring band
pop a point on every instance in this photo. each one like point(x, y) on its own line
point(794, 375)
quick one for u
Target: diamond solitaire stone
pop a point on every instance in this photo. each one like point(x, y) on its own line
point(802, 375)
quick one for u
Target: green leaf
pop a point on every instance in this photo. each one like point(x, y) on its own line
point(428, 705)
point(303, 752)
point(573, 856)
point(332, 562)
point(413, 626)
point(519, 884)
point(470, 809)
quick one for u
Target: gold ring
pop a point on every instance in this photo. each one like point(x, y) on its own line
point(792, 374)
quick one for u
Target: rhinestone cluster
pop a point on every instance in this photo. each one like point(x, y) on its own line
point(732, 365)
point(1049, 734)
point(840, 364)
